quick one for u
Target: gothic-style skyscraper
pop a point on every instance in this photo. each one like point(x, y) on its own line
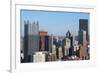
point(31, 40)
point(68, 35)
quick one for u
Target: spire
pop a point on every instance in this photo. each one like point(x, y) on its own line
point(68, 34)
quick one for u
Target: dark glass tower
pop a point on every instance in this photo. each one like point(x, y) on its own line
point(83, 26)
point(31, 40)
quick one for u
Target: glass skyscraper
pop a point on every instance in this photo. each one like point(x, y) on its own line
point(31, 40)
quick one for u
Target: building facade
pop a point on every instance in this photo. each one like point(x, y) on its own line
point(42, 40)
point(31, 40)
point(39, 57)
point(83, 26)
point(66, 46)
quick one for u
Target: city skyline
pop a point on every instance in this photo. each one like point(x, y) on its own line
point(47, 19)
point(54, 36)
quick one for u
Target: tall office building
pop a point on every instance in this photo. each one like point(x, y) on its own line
point(42, 41)
point(76, 45)
point(60, 53)
point(67, 43)
point(66, 46)
point(82, 38)
point(51, 39)
point(76, 48)
point(68, 35)
point(54, 54)
point(47, 44)
point(31, 40)
point(83, 26)
point(84, 48)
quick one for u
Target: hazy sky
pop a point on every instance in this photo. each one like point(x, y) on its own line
point(56, 23)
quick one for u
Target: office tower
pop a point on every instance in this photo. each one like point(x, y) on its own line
point(84, 47)
point(51, 39)
point(47, 43)
point(71, 51)
point(31, 40)
point(66, 46)
point(39, 57)
point(54, 54)
point(74, 40)
point(76, 48)
point(83, 26)
point(67, 43)
point(82, 38)
point(60, 53)
point(42, 35)
point(68, 35)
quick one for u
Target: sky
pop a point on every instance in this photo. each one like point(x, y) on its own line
point(56, 23)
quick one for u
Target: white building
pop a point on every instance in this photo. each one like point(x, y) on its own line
point(67, 46)
point(54, 49)
point(84, 38)
point(39, 57)
point(60, 53)
point(54, 52)
point(76, 46)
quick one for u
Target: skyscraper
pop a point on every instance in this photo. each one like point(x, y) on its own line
point(83, 26)
point(60, 53)
point(68, 35)
point(54, 54)
point(51, 40)
point(67, 43)
point(31, 40)
point(42, 41)
point(66, 46)
point(83, 37)
point(47, 44)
